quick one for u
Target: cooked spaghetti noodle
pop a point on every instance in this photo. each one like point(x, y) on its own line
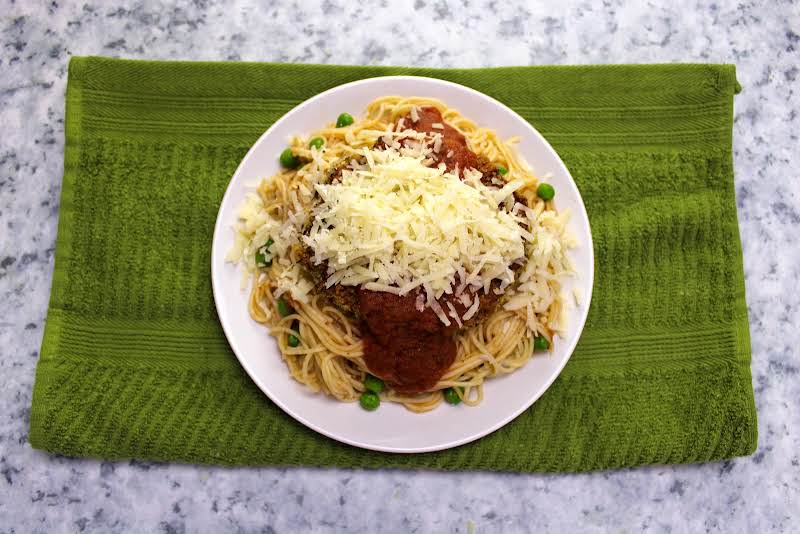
point(321, 345)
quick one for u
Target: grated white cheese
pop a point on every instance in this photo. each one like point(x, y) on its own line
point(547, 263)
point(577, 295)
point(396, 225)
point(437, 142)
point(472, 310)
point(420, 303)
point(413, 226)
point(454, 314)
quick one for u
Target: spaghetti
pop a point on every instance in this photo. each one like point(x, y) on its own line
point(321, 345)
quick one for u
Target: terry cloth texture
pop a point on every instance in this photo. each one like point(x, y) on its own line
point(134, 362)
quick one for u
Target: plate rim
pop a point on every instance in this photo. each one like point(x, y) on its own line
point(220, 226)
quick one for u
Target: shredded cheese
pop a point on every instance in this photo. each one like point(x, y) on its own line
point(392, 224)
point(398, 225)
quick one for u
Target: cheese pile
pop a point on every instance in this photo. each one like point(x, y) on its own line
point(395, 225)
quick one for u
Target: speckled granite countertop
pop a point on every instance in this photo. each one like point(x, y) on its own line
point(42, 493)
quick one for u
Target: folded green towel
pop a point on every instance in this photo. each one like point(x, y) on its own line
point(135, 364)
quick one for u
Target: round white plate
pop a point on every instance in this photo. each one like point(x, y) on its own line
point(392, 428)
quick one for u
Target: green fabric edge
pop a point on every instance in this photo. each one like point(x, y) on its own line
point(74, 103)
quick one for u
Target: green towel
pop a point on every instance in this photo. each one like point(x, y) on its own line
point(135, 364)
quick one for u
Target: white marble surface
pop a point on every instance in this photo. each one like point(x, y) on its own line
point(758, 494)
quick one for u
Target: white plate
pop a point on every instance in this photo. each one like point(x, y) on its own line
point(392, 428)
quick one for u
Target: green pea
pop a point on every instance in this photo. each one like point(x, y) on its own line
point(289, 160)
point(451, 396)
point(373, 384)
point(369, 401)
point(502, 170)
point(293, 341)
point(345, 119)
point(546, 192)
point(283, 308)
point(540, 343)
point(261, 257)
point(317, 143)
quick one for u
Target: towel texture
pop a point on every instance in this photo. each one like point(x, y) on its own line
point(135, 364)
